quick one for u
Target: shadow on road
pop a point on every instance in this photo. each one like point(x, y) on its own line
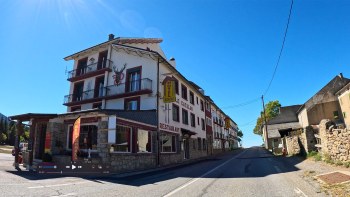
point(249, 163)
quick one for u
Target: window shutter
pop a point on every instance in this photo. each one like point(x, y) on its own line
point(112, 124)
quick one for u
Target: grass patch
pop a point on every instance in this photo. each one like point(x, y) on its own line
point(311, 154)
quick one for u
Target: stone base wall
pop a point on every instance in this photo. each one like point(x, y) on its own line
point(132, 162)
point(335, 142)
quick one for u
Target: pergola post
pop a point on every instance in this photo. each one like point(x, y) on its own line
point(19, 132)
point(31, 142)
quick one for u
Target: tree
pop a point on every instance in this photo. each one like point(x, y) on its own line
point(272, 110)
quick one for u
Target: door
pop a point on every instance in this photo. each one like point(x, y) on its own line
point(102, 60)
point(186, 149)
point(81, 68)
point(99, 85)
point(78, 91)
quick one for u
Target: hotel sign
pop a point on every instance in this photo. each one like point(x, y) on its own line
point(227, 123)
point(169, 127)
point(169, 90)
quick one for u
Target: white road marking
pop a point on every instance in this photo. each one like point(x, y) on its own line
point(298, 191)
point(277, 169)
point(69, 194)
point(205, 174)
point(57, 185)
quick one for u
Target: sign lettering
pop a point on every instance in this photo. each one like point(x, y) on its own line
point(168, 127)
point(169, 92)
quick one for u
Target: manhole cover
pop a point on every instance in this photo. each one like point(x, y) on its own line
point(334, 177)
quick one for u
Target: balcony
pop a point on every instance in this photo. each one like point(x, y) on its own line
point(90, 70)
point(130, 88)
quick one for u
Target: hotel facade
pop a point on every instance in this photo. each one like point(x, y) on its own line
point(117, 91)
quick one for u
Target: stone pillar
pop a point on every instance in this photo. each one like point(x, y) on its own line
point(58, 136)
point(102, 141)
point(323, 133)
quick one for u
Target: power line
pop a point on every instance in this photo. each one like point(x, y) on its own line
point(281, 50)
point(241, 104)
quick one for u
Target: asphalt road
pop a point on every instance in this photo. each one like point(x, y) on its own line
point(250, 172)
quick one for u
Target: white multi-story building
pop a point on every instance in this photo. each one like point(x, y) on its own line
point(117, 90)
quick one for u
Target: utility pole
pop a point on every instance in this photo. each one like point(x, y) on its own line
point(266, 136)
point(158, 132)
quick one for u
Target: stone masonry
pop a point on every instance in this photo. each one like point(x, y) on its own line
point(335, 142)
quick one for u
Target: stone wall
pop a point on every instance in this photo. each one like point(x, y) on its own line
point(334, 142)
point(293, 145)
point(58, 137)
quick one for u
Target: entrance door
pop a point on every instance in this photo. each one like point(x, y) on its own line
point(187, 148)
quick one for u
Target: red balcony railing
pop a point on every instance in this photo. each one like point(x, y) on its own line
point(89, 69)
point(137, 87)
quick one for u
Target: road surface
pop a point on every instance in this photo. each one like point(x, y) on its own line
point(249, 172)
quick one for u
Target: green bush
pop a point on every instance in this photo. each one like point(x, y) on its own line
point(347, 164)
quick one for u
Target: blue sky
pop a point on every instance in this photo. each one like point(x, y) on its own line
point(229, 48)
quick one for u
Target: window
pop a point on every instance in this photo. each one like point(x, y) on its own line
point(132, 103)
point(203, 124)
point(197, 99)
point(177, 87)
point(184, 91)
point(87, 137)
point(199, 143)
point(191, 97)
point(193, 120)
point(204, 144)
point(184, 116)
point(202, 105)
point(207, 106)
point(194, 144)
point(168, 143)
point(176, 113)
point(335, 114)
point(144, 142)
point(122, 139)
point(198, 120)
point(133, 79)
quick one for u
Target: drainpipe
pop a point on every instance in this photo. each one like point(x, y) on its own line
point(158, 132)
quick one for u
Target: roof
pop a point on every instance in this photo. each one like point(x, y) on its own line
point(273, 133)
point(327, 93)
point(345, 88)
point(142, 116)
point(118, 40)
point(287, 114)
point(28, 116)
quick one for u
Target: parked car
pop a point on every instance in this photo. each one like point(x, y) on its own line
point(22, 147)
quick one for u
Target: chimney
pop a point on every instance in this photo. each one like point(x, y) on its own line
point(173, 62)
point(340, 75)
point(110, 37)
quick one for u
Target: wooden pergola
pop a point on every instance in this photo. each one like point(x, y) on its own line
point(33, 119)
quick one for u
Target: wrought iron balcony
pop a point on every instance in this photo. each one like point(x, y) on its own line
point(90, 70)
point(130, 88)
